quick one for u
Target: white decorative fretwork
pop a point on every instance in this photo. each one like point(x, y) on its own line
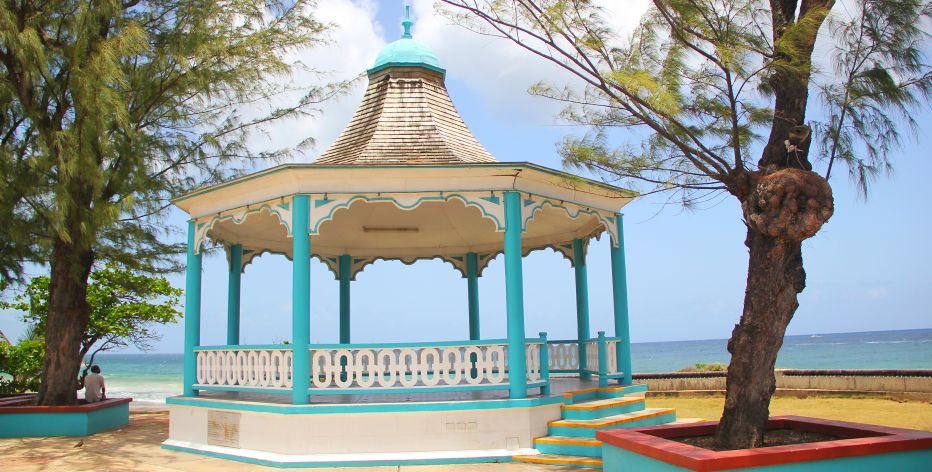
point(592, 356)
point(245, 367)
point(408, 367)
point(324, 207)
point(531, 204)
point(394, 367)
point(563, 355)
point(532, 360)
point(611, 356)
point(281, 207)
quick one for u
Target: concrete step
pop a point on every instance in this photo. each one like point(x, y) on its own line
point(568, 445)
point(561, 460)
point(588, 428)
point(601, 408)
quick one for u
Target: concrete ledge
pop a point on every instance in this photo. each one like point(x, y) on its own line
point(910, 383)
point(349, 460)
point(78, 420)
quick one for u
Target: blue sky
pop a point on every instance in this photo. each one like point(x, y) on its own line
point(869, 268)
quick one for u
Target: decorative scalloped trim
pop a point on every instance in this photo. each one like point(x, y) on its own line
point(280, 208)
point(530, 208)
point(489, 204)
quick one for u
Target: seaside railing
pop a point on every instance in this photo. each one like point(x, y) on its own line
point(372, 368)
point(599, 356)
point(266, 368)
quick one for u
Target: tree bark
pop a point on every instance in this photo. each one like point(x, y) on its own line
point(784, 203)
point(775, 277)
point(68, 317)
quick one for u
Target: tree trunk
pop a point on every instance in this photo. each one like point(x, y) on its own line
point(68, 317)
point(775, 277)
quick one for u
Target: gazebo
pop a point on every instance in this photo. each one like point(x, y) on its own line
point(406, 180)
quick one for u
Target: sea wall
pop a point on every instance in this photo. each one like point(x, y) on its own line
point(909, 383)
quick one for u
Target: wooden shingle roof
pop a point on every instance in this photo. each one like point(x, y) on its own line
point(406, 117)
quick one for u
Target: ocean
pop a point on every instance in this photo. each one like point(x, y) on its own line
point(153, 377)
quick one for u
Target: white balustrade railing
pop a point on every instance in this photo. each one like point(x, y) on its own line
point(611, 356)
point(408, 367)
point(564, 356)
point(342, 368)
point(592, 356)
point(386, 367)
point(245, 366)
point(532, 360)
point(602, 348)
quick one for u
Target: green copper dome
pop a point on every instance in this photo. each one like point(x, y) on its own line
point(406, 52)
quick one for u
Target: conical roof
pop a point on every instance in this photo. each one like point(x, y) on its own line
point(406, 115)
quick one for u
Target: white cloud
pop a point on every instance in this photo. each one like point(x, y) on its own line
point(498, 70)
point(354, 42)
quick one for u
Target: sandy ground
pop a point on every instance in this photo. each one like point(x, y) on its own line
point(136, 447)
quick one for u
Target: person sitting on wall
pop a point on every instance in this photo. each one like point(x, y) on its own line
point(95, 389)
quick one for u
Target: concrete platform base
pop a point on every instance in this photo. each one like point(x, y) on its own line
point(411, 433)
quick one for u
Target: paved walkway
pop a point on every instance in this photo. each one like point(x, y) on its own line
point(137, 447)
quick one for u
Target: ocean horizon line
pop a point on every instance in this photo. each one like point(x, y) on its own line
point(131, 353)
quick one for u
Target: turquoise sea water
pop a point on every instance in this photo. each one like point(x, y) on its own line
point(152, 377)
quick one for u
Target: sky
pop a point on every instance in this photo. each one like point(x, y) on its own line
point(868, 269)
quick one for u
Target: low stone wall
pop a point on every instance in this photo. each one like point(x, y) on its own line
point(916, 383)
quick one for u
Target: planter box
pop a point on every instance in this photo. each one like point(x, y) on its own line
point(79, 420)
point(865, 448)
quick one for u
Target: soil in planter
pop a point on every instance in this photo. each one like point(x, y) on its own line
point(773, 437)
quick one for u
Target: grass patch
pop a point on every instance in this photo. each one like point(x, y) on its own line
point(880, 411)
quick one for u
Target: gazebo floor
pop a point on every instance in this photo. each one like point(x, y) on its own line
point(558, 386)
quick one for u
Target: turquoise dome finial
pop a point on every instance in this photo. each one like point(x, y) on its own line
point(406, 52)
point(407, 23)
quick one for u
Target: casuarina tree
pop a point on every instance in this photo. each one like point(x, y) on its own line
point(110, 108)
point(722, 89)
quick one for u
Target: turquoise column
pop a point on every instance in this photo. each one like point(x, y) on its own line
point(192, 314)
point(582, 306)
point(300, 298)
point(345, 299)
point(620, 298)
point(514, 295)
point(233, 297)
point(472, 276)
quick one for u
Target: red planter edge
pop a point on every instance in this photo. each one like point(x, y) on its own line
point(88, 407)
point(861, 439)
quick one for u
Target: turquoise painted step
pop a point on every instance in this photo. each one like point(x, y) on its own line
point(602, 408)
point(588, 428)
point(579, 396)
point(569, 446)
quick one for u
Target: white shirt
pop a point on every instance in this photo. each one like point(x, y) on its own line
point(93, 385)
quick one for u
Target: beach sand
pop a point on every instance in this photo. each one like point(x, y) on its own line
point(136, 446)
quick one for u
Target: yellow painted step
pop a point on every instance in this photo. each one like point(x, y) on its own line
point(603, 403)
point(613, 420)
point(558, 459)
point(568, 440)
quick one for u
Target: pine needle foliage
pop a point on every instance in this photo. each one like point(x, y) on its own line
point(110, 108)
point(879, 77)
point(699, 77)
